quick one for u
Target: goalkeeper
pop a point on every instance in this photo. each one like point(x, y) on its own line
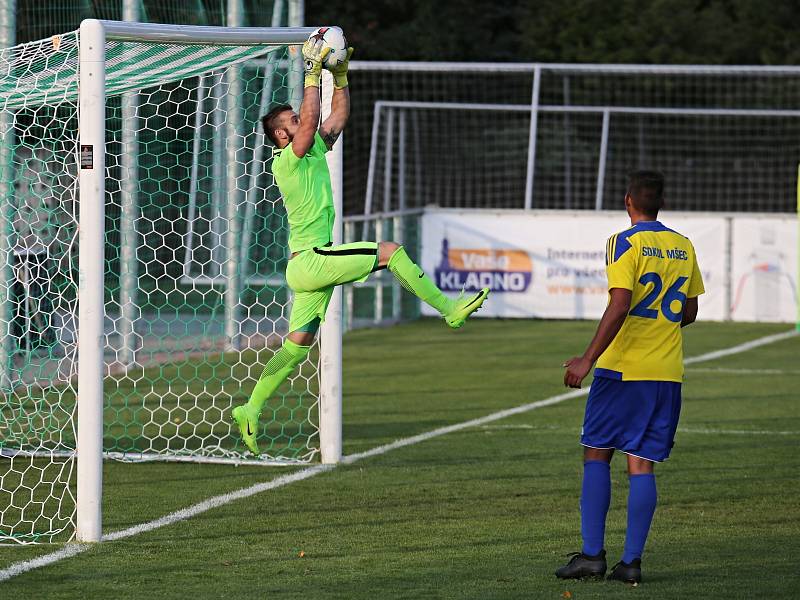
point(316, 266)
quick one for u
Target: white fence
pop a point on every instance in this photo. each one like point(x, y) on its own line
point(466, 135)
point(381, 300)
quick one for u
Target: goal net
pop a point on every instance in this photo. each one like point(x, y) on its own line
point(192, 259)
point(564, 136)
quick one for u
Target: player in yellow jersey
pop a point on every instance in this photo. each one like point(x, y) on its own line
point(315, 265)
point(635, 399)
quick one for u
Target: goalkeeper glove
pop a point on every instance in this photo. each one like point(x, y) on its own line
point(339, 72)
point(314, 52)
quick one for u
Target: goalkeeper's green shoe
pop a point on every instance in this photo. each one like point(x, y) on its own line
point(247, 420)
point(464, 307)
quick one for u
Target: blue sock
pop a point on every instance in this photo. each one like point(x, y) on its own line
point(642, 500)
point(595, 499)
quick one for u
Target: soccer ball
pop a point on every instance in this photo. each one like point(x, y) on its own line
point(333, 37)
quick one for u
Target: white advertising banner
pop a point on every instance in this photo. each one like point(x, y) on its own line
point(764, 269)
point(548, 264)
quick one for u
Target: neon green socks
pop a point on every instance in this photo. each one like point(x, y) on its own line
point(279, 367)
point(415, 281)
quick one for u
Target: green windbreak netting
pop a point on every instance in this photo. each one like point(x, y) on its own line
point(47, 71)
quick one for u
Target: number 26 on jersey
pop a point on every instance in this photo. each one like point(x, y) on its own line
point(647, 307)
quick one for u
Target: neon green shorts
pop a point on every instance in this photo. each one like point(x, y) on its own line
point(314, 273)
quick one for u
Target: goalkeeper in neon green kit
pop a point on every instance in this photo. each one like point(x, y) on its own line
point(315, 265)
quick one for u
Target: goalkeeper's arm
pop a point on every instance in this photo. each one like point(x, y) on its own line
point(314, 54)
point(332, 127)
point(309, 117)
point(340, 104)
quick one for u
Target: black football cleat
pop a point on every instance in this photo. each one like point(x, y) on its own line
point(628, 572)
point(582, 566)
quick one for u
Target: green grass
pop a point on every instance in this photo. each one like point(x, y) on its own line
point(486, 512)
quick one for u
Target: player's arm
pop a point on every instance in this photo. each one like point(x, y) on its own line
point(689, 312)
point(610, 324)
point(333, 126)
point(695, 289)
point(314, 52)
point(309, 118)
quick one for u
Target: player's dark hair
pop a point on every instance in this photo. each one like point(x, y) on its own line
point(269, 122)
point(646, 189)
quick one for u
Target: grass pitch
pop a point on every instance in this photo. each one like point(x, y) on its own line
point(485, 512)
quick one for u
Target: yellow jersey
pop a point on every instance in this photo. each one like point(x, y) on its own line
point(659, 266)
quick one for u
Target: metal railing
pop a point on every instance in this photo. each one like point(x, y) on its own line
point(379, 300)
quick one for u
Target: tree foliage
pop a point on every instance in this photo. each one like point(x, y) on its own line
point(599, 31)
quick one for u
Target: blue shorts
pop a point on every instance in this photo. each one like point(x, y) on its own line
point(635, 417)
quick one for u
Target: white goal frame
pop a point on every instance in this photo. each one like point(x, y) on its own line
point(541, 104)
point(91, 307)
point(395, 110)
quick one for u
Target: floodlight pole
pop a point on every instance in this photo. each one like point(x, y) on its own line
point(296, 12)
point(129, 209)
point(256, 165)
point(233, 192)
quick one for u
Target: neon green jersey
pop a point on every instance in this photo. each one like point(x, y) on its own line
point(305, 185)
point(660, 267)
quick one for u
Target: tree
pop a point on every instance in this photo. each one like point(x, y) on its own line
point(618, 31)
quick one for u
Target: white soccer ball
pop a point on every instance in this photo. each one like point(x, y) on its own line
point(332, 37)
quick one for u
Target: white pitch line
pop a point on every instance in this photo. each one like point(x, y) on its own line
point(694, 430)
point(422, 437)
point(707, 430)
point(42, 561)
point(770, 339)
point(74, 549)
point(217, 501)
point(742, 371)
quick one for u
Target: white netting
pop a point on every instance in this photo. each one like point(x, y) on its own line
point(195, 252)
point(458, 135)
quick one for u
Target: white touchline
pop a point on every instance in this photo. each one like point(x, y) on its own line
point(706, 430)
point(465, 425)
point(698, 430)
point(770, 339)
point(73, 549)
point(741, 371)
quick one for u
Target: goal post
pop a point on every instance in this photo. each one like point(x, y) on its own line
point(91, 271)
point(330, 393)
point(137, 147)
point(93, 35)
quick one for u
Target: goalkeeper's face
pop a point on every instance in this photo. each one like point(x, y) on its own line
point(289, 123)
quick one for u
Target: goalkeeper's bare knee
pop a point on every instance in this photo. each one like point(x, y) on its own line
point(385, 252)
point(302, 338)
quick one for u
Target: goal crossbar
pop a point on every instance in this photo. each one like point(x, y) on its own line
point(588, 108)
point(200, 34)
